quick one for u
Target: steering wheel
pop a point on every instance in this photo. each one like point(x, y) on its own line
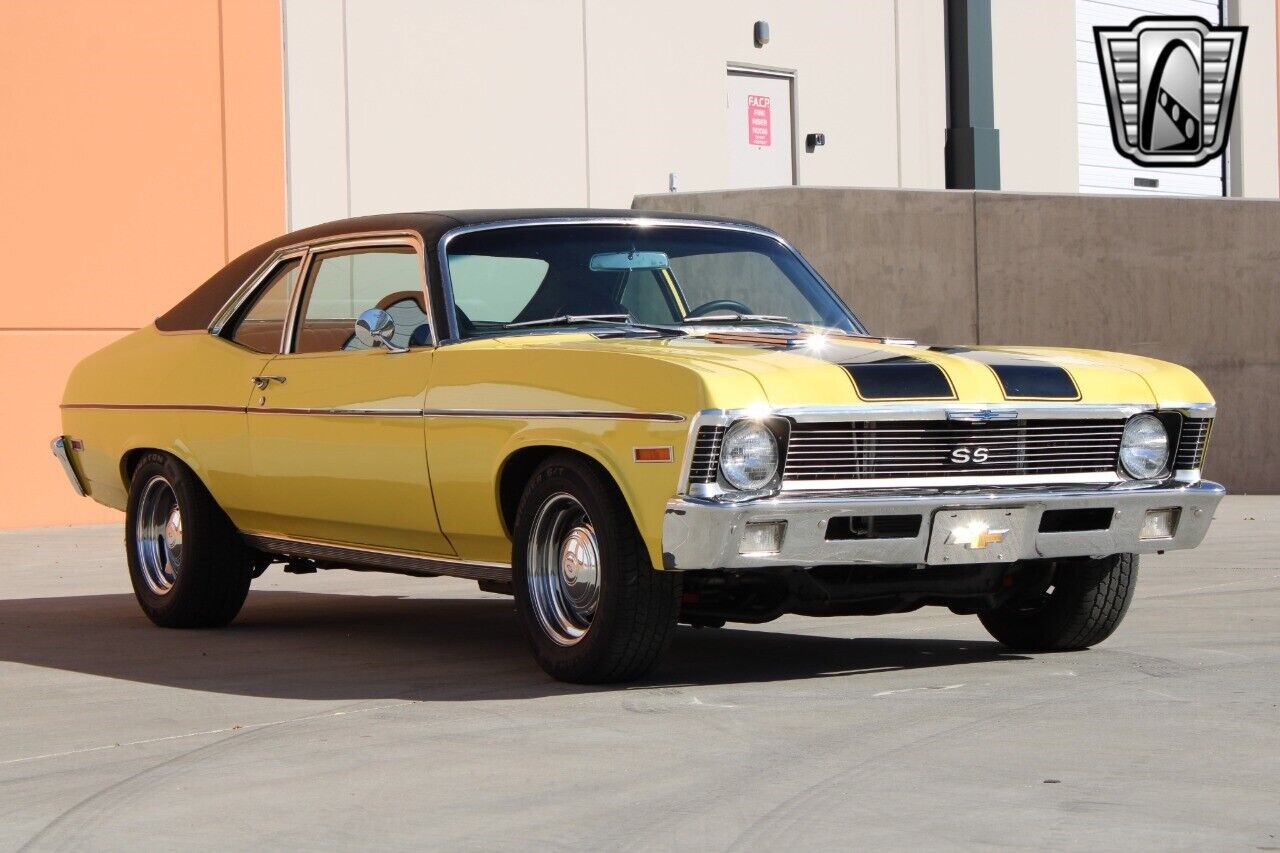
point(720, 305)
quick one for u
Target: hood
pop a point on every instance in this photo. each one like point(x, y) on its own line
point(835, 370)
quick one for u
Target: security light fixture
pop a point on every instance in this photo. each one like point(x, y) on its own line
point(762, 33)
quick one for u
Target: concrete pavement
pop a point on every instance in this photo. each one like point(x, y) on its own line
point(356, 710)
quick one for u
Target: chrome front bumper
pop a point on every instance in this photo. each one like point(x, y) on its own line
point(707, 534)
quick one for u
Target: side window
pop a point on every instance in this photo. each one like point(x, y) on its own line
point(343, 285)
point(261, 325)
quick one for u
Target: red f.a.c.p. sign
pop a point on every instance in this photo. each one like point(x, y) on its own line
point(759, 120)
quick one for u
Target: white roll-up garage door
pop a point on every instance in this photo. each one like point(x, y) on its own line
point(1102, 170)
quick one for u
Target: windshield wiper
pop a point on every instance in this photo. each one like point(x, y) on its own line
point(568, 320)
point(738, 318)
point(622, 320)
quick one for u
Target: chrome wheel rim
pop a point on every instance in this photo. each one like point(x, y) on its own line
point(563, 569)
point(157, 535)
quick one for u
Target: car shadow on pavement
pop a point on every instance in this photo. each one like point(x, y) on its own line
point(327, 646)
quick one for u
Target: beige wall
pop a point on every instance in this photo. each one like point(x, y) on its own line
point(1254, 157)
point(922, 94)
point(1033, 59)
point(399, 105)
point(1187, 280)
point(404, 104)
point(142, 145)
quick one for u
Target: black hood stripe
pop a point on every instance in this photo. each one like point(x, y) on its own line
point(1022, 377)
point(900, 377)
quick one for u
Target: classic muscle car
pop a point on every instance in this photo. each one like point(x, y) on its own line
point(628, 421)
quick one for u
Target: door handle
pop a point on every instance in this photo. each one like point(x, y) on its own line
point(261, 382)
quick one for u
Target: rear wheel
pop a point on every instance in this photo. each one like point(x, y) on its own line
point(592, 606)
point(1083, 605)
point(187, 563)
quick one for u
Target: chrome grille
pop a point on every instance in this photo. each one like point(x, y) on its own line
point(706, 455)
point(866, 450)
point(1191, 444)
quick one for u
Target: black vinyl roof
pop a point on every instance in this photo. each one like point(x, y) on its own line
point(198, 308)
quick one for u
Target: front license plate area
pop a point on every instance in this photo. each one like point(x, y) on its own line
point(977, 535)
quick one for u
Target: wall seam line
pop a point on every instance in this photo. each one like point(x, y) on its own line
point(897, 88)
point(346, 105)
point(222, 113)
point(284, 107)
point(586, 106)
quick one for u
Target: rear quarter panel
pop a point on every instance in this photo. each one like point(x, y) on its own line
point(184, 393)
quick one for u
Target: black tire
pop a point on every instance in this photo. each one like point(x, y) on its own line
point(213, 567)
point(635, 617)
point(1088, 601)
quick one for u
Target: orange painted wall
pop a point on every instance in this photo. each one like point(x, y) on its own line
point(141, 146)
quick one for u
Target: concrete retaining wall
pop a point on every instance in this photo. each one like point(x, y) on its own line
point(1192, 281)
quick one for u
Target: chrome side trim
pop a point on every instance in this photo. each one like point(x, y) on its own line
point(377, 558)
point(155, 407)
point(442, 251)
point(340, 412)
point(59, 446)
point(670, 417)
point(666, 417)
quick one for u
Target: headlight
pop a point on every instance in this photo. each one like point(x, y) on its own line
point(1144, 449)
point(749, 456)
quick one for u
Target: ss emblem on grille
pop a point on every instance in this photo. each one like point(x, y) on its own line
point(961, 455)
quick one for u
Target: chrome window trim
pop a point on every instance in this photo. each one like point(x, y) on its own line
point(330, 246)
point(306, 249)
point(920, 412)
point(446, 282)
point(253, 287)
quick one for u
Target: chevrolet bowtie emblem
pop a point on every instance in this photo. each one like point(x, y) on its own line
point(976, 536)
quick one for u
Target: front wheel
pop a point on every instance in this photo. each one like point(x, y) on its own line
point(592, 606)
point(1083, 605)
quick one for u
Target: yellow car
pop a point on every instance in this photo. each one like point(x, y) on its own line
point(627, 421)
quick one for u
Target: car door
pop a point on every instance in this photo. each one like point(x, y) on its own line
point(336, 432)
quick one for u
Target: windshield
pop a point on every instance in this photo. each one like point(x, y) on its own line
point(507, 280)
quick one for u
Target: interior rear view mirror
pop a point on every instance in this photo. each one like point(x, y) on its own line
point(633, 260)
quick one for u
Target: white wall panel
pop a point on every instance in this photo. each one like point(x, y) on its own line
point(1032, 58)
point(315, 107)
point(430, 104)
point(922, 94)
point(1256, 170)
point(433, 105)
point(476, 104)
point(658, 83)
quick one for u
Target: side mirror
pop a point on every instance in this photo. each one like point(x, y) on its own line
point(376, 328)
